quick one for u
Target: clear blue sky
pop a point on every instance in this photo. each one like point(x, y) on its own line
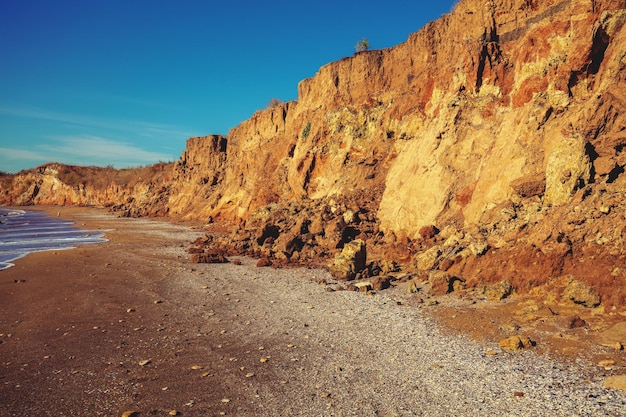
point(126, 82)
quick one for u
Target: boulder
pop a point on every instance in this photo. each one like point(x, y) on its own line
point(574, 322)
point(498, 291)
point(443, 283)
point(427, 259)
point(381, 282)
point(428, 232)
point(316, 227)
point(567, 170)
point(604, 165)
point(263, 262)
point(213, 256)
point(615, 381)
point(580, 293)
point(613, 336)
point(350, 261)
point(288, 243)
point(364, 286)
point(350, 217)
point(514, 343)
point(414, 285)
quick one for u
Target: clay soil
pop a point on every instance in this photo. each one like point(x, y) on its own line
point(132, 325)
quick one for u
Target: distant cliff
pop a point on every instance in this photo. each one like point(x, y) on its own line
point(500, 127)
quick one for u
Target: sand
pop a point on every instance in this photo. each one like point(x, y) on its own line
point(132, 325)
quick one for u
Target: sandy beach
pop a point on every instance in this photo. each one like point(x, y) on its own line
point(132, 325)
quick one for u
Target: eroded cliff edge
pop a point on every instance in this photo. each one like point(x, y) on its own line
point(488, 147)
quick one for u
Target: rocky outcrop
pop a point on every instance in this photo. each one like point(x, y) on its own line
point(142, 191)
point(500, 126)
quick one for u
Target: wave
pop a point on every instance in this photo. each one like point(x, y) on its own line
point(23, 232)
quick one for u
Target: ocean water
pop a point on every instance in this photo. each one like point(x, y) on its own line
point(24, 231)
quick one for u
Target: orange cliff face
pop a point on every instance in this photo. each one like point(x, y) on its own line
point(502, 123)
point(449, 123)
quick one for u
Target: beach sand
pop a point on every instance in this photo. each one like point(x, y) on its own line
point(132, 325)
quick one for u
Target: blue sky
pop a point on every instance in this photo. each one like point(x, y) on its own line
point(126, 82)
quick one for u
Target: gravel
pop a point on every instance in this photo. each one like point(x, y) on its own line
point(278, 342)
point(368, 356)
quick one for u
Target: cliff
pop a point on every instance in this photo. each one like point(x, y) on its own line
point(489, 146)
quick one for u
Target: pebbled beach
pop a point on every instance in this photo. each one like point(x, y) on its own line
point(132, 325)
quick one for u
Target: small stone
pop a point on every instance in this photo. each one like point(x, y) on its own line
point(249, 374)
point(518, 394)
point(490, 351)
point(615, 381)
point(574, 322)
point(606, 363)
point(173, 413)
point(195, 367)
point(618, 346)
point(204, 375)
point(130, 414)
point(144, 362)
point(514, 343)
point(263, 360)
point(225, 400)
point(130, 310)
point(158, 301)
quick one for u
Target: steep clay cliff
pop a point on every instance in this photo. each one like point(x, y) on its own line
point(502, 125)
point(449, 121)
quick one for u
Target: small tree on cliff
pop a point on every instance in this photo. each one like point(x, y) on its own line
point(362, 45)
point(275, 102)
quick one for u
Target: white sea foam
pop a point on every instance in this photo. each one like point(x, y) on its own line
point(24, 231)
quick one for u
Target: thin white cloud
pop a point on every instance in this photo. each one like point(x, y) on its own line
point(136, 127)
point(81, 150)
point(94, 148)
point(22, 155)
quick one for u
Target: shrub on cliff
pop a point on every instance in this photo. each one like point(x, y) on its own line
point(307, 130)
point(275, 102)
point(362, 45)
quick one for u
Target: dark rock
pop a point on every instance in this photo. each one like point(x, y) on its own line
point(428, 232)
point(574, 322)
point(263, 262)
point(210, 257)
point(381, 282)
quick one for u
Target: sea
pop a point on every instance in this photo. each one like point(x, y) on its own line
point(27, 231)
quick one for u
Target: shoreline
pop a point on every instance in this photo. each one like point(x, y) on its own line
point(242, 340)
point(6, 263)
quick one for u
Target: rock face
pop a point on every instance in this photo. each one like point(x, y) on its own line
point(501, 125)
